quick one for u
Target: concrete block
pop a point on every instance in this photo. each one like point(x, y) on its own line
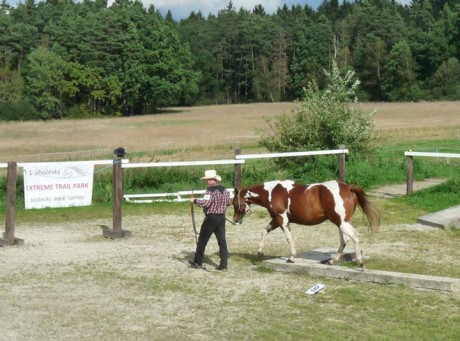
point(445, 219)
point(310, 262)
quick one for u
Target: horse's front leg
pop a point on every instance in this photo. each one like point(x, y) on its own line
point(284, 222)
point(290, 240)
point(270, 227)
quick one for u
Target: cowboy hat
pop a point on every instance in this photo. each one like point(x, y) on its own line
point(211, 174)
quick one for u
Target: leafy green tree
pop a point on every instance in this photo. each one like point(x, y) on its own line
point(399, 81)
point(16, 38)
point(372, 29)
point(313, 56)
point(198, 33)
point(296, 22)
point(226, 25)
point(132, 69)
point(169, 76)
point(280, 65)
point(128, 59)
point(377, 17)
point(369, 59)
point(446, 80)
point(46, 83)
point(344, 58)
point(271, 77)
point(250, 54)
point(11, 84)
point(443, 40)
point(421, 23)
point(254, 55)
point(89, 90)
point(323, 120)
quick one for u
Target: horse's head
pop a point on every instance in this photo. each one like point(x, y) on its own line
point(240, 206)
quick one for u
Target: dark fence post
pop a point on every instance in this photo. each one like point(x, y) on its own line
point(8, 236)
point(342, 164)
point(237, 175)
point(409, 174)
point(117, 198)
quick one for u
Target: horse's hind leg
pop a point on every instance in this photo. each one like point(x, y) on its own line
point(270, 227)
point(339, 254)
point(348, 231)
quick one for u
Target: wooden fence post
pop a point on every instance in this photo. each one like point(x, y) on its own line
point(8, 236)
point(117, 198)
point(409, 175)
point(237, 174)
point(342, 164)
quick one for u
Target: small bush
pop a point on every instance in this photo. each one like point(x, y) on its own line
point(323, 120)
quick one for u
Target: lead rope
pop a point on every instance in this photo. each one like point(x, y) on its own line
point(193, 221)
point(231, 221)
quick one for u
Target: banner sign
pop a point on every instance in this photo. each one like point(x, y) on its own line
point(58, 184)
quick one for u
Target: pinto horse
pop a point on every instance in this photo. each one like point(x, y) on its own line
point(290, 202)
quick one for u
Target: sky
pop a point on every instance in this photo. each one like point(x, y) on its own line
point(181, 9)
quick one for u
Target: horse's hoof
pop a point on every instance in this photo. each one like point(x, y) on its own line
point(290, 261)
point(362, 267)
point(260, 254)
point(330, 262)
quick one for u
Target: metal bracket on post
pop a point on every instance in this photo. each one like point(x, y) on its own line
point(117, 231)
point(8, 236)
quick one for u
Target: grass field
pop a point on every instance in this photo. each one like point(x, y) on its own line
point(68, 282)
point(196, 133)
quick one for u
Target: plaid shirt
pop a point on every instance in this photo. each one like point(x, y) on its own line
point(215, 200)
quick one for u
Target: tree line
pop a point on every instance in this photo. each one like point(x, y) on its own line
point(63, 58)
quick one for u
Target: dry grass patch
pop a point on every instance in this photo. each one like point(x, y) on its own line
point(188, 133)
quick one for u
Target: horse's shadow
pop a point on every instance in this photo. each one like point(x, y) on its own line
point(252, 258)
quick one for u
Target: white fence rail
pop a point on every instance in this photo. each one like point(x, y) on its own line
point(290, 154)
point(239, 159)
point(182, 163)
point(94, 162)
point(432, 154)
point(175, 196)
point(180, 196)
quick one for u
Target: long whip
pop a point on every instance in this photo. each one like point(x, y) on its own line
point(193, 221)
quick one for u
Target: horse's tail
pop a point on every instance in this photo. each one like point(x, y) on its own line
point(369, 209)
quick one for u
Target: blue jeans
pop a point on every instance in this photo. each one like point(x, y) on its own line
point(212, 224)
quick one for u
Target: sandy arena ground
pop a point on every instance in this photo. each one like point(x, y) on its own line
point(69, 282)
